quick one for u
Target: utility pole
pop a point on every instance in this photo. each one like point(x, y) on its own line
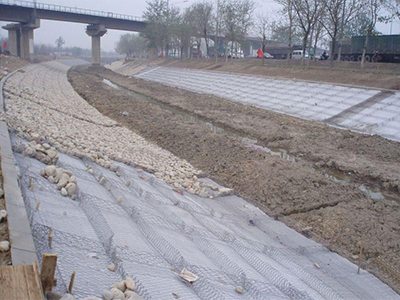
point(216, 42)
point(341, 33)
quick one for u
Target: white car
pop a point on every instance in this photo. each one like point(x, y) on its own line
point(298, 54)
point(236, 54)
point(268, 56)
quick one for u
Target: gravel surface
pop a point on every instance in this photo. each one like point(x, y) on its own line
point(40, 102)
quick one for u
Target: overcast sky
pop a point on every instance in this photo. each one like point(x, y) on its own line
point(74, 34)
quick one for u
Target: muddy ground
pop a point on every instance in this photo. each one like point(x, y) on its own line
point(298, 193)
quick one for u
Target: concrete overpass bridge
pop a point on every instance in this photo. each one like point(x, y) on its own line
point(27, 16)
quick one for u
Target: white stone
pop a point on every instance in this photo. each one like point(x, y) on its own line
point(72, 179)
point(134, 296)
point(107, 295)
point(64, 192)
point(239, 289)
point(117, 294)
point(121, 286)
point(63, 181)
point(3, 215)
point(225, 192)
point(71, 189)
point(52, 154)
point(111, 267)
point(50, 170)
point(4, 246)
point(68, 297)
point(130, 283)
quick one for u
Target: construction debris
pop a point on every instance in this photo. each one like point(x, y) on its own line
point(188, 276)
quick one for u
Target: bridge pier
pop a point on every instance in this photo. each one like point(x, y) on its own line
point(20, 39)
point(96, 31)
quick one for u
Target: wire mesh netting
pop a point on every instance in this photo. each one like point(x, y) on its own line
point(138, 228)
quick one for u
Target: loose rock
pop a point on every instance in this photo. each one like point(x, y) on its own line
point(4, 246)
point(107, 295)
point(111, 267)
point(64, 192)
point(3, 215)
point(117, 294)
point(130, 283)
point(239, 289)
point(50, 171)
point(68, 297)
point(71, 189)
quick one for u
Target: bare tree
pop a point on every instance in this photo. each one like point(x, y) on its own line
point(237, 20)
point(306, 13)
point(184, 31)
point(261, 28)
point(288, 12)
point(201, 15)
point(59, 43)
point(393, 10)
point(130, 44)
point(373, 8)
point(156, 17)
point(338, 14)
point(217, 30)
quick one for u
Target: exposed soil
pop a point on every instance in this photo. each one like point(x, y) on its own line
point(10, 63)
point(5, 257)
point(296, 192)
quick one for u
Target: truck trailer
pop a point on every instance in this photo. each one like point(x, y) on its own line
point(380, 48)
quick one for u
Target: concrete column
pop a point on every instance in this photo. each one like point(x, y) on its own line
point(20, 38)
point(96, 31)
point(27, 44)
point(96, 50)
point(13, 36)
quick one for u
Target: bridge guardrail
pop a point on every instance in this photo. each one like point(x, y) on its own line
point(69, 9)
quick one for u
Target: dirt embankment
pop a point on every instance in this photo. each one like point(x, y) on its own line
point(376, 75)
point(297, 192)
point(10, 63)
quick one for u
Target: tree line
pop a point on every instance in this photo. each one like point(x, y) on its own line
point(171, 30)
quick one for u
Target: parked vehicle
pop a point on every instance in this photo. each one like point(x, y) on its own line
point(298, 54)
point(235, 54)
point(323, 56)
point(268, 56)
point(380, 48)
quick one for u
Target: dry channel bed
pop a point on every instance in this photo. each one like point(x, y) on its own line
point(297, 192)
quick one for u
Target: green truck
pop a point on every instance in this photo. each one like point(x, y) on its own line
point(380, 48)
